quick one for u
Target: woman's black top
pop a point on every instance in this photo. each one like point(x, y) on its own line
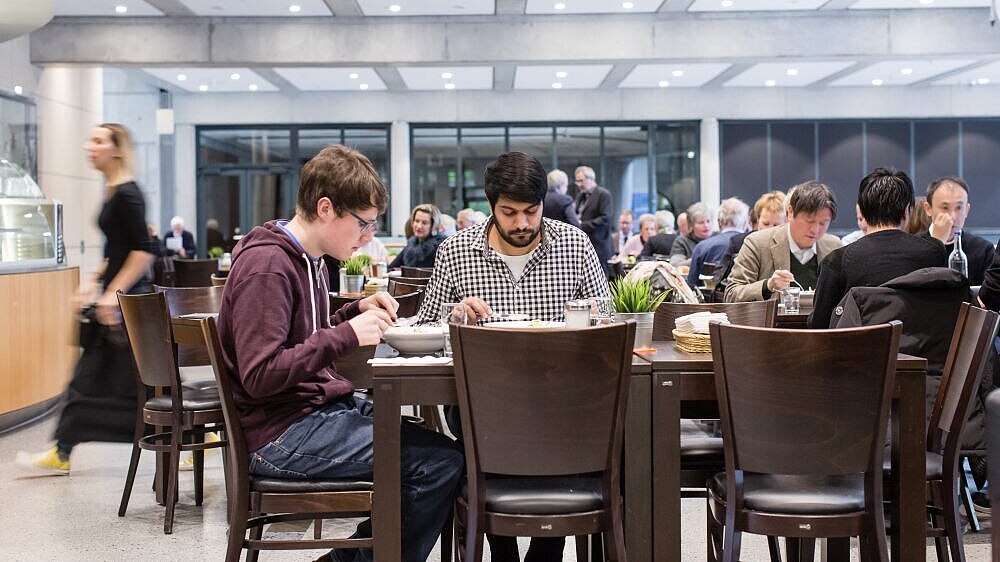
point(123, 222)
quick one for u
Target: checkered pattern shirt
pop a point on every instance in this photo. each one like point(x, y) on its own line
point(564, 267)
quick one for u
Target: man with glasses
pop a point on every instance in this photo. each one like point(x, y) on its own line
point(300, 416)
point(593, 206)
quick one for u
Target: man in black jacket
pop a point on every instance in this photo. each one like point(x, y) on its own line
point(948, 206)
point(557, 205)
point(593, 205)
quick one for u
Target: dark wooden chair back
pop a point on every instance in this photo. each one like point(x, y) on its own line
point(757, 313)
point(194, 273)
point(236, 453)
point(148, 324)
point(191, 300)
point(409, 304)
point(411, 280)
point(418, 272)
point(337, 302)
point(398, 289)
point(811, 402)
point(993, 445)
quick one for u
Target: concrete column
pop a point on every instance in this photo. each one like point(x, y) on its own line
point(710, 160)
point(399, 200)
point(186, 175)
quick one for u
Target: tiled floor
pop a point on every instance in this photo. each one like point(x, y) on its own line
point(75, 517)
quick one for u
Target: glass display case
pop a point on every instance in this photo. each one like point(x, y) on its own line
point(30, 224)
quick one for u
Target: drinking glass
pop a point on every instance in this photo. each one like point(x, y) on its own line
point(451, 313)
point(600, 311)
point(790, 298)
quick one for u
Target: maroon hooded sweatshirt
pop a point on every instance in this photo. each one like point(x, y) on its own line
point(277, 334)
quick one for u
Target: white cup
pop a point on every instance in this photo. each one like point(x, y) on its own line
point(790, 298)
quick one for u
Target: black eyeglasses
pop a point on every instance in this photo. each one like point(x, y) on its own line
point(364, 224)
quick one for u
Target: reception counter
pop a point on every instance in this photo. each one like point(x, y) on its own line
point(37, 340)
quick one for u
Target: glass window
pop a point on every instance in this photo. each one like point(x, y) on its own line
point(434, 166)
point(675, 148)
point(578, 146)
point(18, 134)
point(626, 168)
point(244, 146)
point(536, 141)
point(311, 141)
point(480, 146)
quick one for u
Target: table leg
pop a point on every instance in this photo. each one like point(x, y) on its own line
point(386, 510)
point(666, 432)
point(908, 452)
point(638, 471)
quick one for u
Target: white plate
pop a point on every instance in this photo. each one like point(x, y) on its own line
point(526, 324)
point(415, 339)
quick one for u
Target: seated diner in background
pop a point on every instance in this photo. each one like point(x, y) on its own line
point(732, 219)
point(699, 219)
point(635, 243)
point(421, 248)
point(767, 211)
point(884, 253)
point(300, 417)
point(946, 208)
point(770, 260)
point(517, 262)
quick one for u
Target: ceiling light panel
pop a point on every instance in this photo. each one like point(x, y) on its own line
point(893, 73)
point(215, 79)
point(314, 79)
point(591, 6)
point(257, 8)
point(439, 77)
point(916, 4)
point(653, 75)
point(754, 5)
point(578, 77)
point(980, 76)
point(104, 8)
point(792, 74)
point(426, 7)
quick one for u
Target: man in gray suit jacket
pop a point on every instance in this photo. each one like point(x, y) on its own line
point(593, 205)
point(771, 259)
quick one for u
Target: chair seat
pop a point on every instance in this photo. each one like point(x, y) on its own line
point(293, 486)
point(194, 399)
point(701, 451)
point(933, 464)
point(198, 377)
point(552, 495)
point(768, 493)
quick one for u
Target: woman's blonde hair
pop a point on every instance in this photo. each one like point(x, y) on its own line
point(122, 140)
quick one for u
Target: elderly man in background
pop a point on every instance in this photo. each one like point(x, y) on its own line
point(948, 206)
point(179, 242)
point(660, 244)
point(771, 259)
point(559, 206)
point(732, 219)
point(634, 245)
point(593, 206)
point(464, 218)
point(683, 227)
point(699, 218)
point(624, 232)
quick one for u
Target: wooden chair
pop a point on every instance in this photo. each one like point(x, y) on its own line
point(546, 424)
point(258, 501)
point(963, 370)
point(192, 300)
point(804, 413)
point(411, 280)
point(398, 289)
point(992, 405)
point(194, 273)
point(418, 272)
point(409, 304)
point(337, 302)
point(755, 313)
point(185, 413)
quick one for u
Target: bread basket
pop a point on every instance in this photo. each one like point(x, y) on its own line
point(692, 342)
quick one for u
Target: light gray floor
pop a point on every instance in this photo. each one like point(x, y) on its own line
point(75, 517)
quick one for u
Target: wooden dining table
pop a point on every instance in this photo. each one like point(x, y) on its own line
point(683, 386)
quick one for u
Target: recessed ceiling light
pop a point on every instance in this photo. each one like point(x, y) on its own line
point(294, 8)
point(792, 72)
point(877, 82)
point(561, 74)
point(981, 81)
point(664, 83)
point(234, 76)
point(726, 3)
point(19, 90)
point(906, 71)
point(182, 77)
point(677, 73)
point(121, 9)
point(253, 87)
point(770, 83)
point(557, 85)
point(447, 75)
point(449, 86)
point(203, 87)
point(559, 6)
point(363, 86)
point(394, 7)
point(353, 76)
point(628, 5)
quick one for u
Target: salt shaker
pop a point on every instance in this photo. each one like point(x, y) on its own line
point(577, 313)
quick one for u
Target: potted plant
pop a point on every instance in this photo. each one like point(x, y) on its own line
point(355, 274)
point(635, 300)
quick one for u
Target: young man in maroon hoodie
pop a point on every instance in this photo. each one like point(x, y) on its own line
point(300, 417)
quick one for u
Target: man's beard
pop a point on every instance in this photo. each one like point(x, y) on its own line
point(517, 243)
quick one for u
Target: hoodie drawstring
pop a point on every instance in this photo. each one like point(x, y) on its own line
point(319, 284)
point(312, 291)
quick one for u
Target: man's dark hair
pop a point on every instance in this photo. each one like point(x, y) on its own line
point(517, 176)
point(884, 197)
point(343, 175)
point(941, 181)
point(811, 197)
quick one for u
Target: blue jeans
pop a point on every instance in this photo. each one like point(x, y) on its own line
point(336, 442)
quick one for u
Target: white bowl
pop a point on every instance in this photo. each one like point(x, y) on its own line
point(415, 339)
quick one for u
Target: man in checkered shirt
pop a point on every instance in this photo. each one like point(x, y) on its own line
point(517, 262)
